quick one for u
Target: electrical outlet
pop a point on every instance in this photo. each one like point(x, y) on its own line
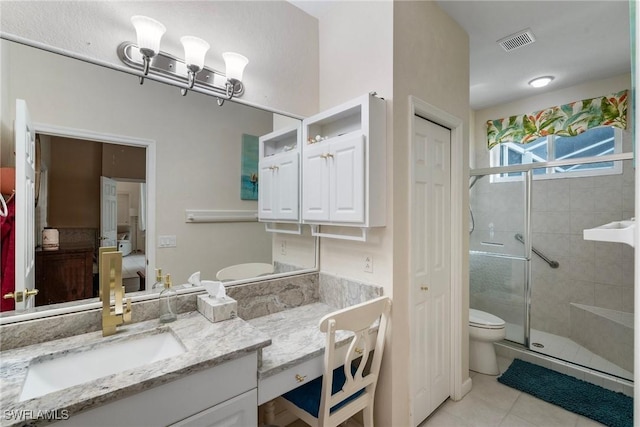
point(368, 264)
point(283, 247)
point(167, 241)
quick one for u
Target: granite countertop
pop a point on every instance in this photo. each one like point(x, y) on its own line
point(295, 337)
point(207, 345)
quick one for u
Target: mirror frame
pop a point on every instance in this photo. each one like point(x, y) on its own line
point(40, 312)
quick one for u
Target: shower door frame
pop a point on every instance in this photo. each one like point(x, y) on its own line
point(527, 170)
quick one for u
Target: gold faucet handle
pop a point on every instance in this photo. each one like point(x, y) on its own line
point(119, 297)
point(126, 315)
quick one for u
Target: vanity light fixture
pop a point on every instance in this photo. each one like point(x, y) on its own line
point(190, 73)
point(234, 63)
point(194, 51)
point(148, 32)
point(540, 81)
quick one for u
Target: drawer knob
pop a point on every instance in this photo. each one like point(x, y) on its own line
point(300, 378)
point(358, 350)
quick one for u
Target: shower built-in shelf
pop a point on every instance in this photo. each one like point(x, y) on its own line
point(616, 231)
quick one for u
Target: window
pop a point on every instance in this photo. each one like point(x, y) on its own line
point(594, 142)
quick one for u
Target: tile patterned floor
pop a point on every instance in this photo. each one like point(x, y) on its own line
point(491, 404)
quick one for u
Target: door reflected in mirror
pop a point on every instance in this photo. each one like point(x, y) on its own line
point(196, 165)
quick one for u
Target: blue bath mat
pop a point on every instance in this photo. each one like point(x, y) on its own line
point(590, 400)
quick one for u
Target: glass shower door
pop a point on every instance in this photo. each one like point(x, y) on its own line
point(498, 267)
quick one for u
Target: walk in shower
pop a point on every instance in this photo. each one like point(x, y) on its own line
point(560, 295)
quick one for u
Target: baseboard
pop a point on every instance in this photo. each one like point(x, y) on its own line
point(466, 387)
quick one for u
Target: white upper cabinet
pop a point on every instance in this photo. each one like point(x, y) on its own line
point(279, 176)
point(344, 165)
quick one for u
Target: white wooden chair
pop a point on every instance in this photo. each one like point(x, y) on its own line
point(348, 385)
point(244, 271)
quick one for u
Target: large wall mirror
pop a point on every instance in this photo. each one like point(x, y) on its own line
point(96, 122)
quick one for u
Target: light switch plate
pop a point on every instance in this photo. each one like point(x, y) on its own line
point(168, 241)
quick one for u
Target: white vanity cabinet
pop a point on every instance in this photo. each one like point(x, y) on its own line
point(279, 176)
point(225, 395)
point(344, 165)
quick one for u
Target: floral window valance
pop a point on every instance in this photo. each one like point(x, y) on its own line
point(565, 120)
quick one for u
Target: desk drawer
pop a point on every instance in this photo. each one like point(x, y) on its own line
point(276, 385)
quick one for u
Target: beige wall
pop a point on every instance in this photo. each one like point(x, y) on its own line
point(431, 62)
point(356, 57)
point(428, 58)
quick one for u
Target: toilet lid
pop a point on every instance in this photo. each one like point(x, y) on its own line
point(481, 318)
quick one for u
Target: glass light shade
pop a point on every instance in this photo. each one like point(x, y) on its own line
point(234, 63)
point(194, 51)
point(149, 32)
point(541, 81)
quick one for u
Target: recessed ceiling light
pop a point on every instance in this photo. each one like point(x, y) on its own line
point(541, 81)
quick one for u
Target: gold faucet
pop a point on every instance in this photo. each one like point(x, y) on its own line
point(110, 269)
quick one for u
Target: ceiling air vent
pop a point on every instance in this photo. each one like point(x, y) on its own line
point(519, 39)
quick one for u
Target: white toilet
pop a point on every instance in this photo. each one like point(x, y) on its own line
point(484, 330)
point(124, 244)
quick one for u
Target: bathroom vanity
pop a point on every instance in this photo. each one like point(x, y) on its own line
point(214, 372)
point(214, 376)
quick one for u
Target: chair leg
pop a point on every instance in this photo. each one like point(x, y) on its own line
point(367, 416)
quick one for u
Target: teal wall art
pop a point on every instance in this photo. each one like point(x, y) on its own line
point(249, 168)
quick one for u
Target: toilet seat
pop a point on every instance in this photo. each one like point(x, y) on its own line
point(481, 319)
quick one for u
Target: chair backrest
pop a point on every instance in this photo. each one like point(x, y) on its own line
point(244, 271)
point(360, 372)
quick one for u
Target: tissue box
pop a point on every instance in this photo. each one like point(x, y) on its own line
point(217, 310)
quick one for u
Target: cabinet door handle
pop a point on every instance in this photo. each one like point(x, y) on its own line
point(424, 288)
point(327, 156)
point(300, 378)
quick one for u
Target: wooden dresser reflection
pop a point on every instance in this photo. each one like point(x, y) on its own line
point(64, 275)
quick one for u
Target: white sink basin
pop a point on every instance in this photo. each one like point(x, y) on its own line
point(57, 372)
point(616, 231)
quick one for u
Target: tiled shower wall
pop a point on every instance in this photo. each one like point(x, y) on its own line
point(591, 273)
